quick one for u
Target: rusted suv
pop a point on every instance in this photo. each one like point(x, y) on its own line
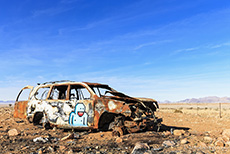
point(84, 105)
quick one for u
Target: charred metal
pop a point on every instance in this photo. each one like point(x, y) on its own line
point(84, 106)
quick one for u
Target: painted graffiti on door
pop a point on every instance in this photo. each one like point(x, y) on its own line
point(78, 117)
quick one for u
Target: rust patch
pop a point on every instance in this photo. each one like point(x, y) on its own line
point(20, 109)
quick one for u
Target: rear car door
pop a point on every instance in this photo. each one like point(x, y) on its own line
point(21, 102)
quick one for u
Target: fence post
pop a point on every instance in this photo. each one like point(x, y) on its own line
point(220, 110)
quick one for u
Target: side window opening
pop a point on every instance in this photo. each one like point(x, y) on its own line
point(73, 94)
point(59, 92)
point(96, 91)
point(42, 93)
point(84, 93)
point(79, 92)
point(24, 95)
point(100, 91)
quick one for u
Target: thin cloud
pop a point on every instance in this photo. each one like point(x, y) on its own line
point(151, 43)
point(92, 25)
point(51, 11)
point(186, 50)
point(178, 24)
point(202, 47)
point(220, 45)
point(21, 57)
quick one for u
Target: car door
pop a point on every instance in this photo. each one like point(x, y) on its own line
point(56, 106)
point(82, 99)
point(21, 102)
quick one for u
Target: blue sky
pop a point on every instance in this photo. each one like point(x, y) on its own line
point(163, 49)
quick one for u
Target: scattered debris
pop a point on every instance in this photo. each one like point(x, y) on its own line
point(167, 133)
point(119, 140)
point(157, 149)
point(184, 141)
point(219, 143)
point(40, 139)
point(177, 132)
point(208, 139)
point(24, 148)
point(20, 121)
point(168, 143)
point(141, 148)
point(202, 144)
point(70, 136)
point(13, 132)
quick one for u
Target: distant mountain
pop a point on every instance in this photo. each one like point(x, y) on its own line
point(7, 102)
point(210, 99)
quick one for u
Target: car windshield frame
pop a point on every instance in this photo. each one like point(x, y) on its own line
point(101, 91)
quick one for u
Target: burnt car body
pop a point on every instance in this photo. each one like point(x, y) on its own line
point(84, 106)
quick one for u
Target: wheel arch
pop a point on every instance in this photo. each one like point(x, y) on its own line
point(105, 119)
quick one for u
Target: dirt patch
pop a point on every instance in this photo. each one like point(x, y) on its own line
point(198, 117)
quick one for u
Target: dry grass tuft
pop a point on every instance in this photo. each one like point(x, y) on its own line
point(178, 111)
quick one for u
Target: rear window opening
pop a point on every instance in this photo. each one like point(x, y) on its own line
point(59, 92)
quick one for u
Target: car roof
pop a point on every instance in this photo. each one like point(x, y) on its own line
point(61, 82)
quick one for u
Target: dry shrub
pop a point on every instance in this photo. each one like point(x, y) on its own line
point(178, 111)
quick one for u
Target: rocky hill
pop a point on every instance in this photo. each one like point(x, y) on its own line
point(7, 102)
point(209, 99)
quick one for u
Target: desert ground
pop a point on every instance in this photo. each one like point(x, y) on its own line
point(186, 128)
point(198, 117)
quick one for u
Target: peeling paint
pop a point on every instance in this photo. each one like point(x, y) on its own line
point(112, 105)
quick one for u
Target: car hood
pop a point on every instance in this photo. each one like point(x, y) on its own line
point(145, 99)
point(128, 99)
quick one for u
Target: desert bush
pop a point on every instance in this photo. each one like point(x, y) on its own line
point(178, 111)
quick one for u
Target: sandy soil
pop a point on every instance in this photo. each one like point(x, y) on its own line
point(201, 123)
point(198, 117)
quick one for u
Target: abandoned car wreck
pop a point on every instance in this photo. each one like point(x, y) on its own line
point(85, 106)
